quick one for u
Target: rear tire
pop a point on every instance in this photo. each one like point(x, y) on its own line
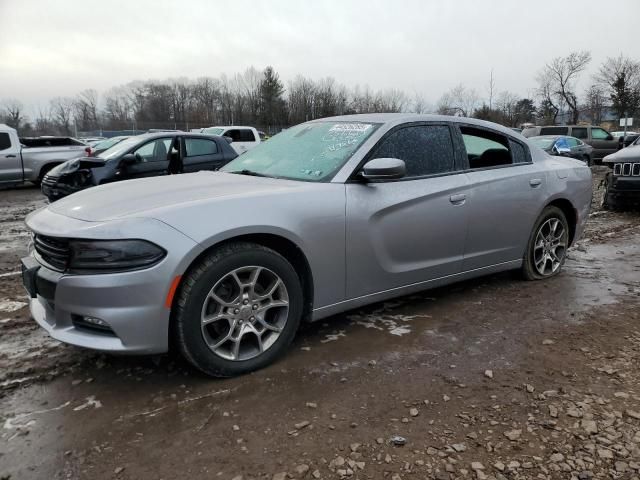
point(547, 246)
point(237, 310)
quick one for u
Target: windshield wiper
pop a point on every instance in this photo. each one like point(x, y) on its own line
point(251, 173)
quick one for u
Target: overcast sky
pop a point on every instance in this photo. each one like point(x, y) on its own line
point(57, 48)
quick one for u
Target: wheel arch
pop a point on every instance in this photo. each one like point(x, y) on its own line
point(286, 247)
point(569, 211)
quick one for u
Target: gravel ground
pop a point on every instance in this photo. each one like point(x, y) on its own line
point(491, 378)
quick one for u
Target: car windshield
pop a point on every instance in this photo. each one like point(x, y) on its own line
point(213, 131)
point(106, 144)
point(543, 142)
point(119, 148)
point(310, 151)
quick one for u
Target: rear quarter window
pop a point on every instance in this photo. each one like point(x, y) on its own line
point(519, 153)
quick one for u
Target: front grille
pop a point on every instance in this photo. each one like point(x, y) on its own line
point(627, 169)
point(49, 180)
point(53, 251)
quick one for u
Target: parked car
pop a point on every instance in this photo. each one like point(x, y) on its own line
point(630, 139)
point(106, 144)
point(564, 146)
point(147, 155)
point(603, 142)
point(622, 183)
point(326, 216)
point(28, 159)
point(242, 138)
point(621, 133)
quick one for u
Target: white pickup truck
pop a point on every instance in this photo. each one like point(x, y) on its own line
point(28, 160)
point(242, 138)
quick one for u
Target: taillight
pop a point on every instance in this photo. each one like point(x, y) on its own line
point(88, 150)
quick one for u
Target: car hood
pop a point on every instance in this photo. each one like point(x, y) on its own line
point(74, 165)
point(628, 154)
point(148, 197)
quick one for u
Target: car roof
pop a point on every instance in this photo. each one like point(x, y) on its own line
point(228, 126)
point(398, 118)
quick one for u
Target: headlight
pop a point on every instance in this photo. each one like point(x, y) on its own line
point(90, 256)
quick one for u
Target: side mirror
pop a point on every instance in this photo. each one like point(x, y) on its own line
point(609, 137)
point(383, 169)
point(228, 139)
point(129, 159)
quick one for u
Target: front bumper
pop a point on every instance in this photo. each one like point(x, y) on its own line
point(624, 189)
point(54, 189)
point(132, 304)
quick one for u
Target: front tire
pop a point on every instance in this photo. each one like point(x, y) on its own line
point(608, 203)
point(547, 246)
point(237, 310)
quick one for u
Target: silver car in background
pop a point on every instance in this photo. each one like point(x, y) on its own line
point(326, 216)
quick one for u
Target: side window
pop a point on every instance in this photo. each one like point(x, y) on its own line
point(246, 135)
point(425, 149)
point(579, 132)
point(154, 151)
point(5, 141)
point(200, 146)
point(233, 135)
point(554, 130)
point(484, 148)
point(599, 134)
point(573, 142)
point(518, 152)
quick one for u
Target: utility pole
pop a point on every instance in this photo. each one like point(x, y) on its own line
point(491, 87)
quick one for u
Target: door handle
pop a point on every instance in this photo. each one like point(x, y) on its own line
point(458, 199)
point(11, 155)
point(535, 182)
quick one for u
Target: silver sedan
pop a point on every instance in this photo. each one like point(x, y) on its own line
point(325, 217)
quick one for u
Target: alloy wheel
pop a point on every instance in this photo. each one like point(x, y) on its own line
point(550, 246)
point(244, 313)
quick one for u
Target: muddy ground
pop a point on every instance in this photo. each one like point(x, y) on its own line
point(492, 378)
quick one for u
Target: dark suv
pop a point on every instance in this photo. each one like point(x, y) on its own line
point(147, 155)
point(622, 184)
point(603, 142)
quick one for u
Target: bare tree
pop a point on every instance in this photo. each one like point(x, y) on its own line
point(506, 104)
point(459, 101)
point(595, 102)
point(12, 112)
point(420, 105)
point(549, 106)
point(61, 111)
point(85, 109)
point(562, 73)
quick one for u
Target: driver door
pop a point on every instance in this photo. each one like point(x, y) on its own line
point(411, 230)
point(152, 159)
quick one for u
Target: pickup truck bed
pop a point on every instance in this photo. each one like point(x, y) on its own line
point(20, 163)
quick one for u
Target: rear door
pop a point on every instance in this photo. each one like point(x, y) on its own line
point(603, 143)
point(506, 191)
point(201, 154)
point(10, 163)
point(152, 159)
point(407, 231)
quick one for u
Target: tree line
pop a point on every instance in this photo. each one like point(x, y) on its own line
point(260, 98)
